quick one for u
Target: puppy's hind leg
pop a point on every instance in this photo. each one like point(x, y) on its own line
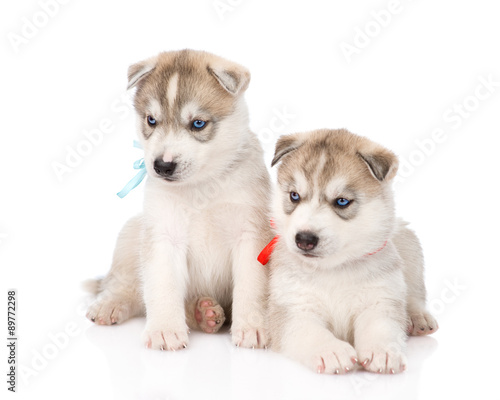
point(421, 322)
point(118, 294)
point(204, 313)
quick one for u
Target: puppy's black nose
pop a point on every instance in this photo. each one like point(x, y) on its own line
point(163, 168)
point(306, 240)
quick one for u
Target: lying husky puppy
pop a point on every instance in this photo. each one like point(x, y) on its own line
point(344, 272)
point(192, 253)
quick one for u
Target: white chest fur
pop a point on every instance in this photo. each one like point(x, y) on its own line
point(339, 295)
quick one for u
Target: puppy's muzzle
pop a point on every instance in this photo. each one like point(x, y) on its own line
point(164, 169)
point(306, 241)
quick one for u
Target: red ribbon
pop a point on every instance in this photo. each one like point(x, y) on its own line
point(265, 254)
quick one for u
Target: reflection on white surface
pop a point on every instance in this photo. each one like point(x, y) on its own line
point(109, 362)
point(211, 367)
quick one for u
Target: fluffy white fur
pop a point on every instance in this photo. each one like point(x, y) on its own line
point(336, 306)
point(198, 236)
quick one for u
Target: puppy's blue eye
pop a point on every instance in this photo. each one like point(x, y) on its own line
point(341, 202)
point(294, 197)
point(199, 124)
point(151, 121)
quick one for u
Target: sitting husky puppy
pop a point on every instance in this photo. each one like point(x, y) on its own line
point(192, 253)
point(344, 272)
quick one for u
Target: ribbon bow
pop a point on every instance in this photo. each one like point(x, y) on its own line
point(141, 166)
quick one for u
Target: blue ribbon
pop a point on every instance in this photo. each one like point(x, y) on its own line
point(141, 166)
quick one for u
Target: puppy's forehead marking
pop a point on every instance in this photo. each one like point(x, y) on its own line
point(320, 168)
point(300, 182)
point(172, 88)
point(154, 108)
point(189, 111)
point(336, 187)
point(308, 160)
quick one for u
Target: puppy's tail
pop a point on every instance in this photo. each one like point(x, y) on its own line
point(93, 286)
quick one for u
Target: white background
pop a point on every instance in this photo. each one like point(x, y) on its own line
point(71, 76)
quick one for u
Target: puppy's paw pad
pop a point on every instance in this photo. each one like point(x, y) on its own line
point(422, 323)
point(251, 338)
point(164, 339)
point(209, 315)
point(382, 362)
point(108, 311)
point(334, 358)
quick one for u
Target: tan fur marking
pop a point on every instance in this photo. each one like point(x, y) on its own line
point(180, 77)
point(341, 150)
point(172, 88)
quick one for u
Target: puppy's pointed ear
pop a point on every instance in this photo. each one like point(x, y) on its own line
point(139, 71)
point(231, 76)
point(285, 145)
point(382, 163)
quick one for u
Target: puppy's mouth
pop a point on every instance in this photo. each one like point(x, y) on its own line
point(177, 177)
point(169, 178)
point(309, 255)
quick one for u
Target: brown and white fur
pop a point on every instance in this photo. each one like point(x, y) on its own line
point(191, 254)
point(338, 296)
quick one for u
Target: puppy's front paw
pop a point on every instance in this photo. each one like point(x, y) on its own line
point(249, 337)
point(165, 339)
point(335, 357)
point(422, 323)
point(382, 361)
